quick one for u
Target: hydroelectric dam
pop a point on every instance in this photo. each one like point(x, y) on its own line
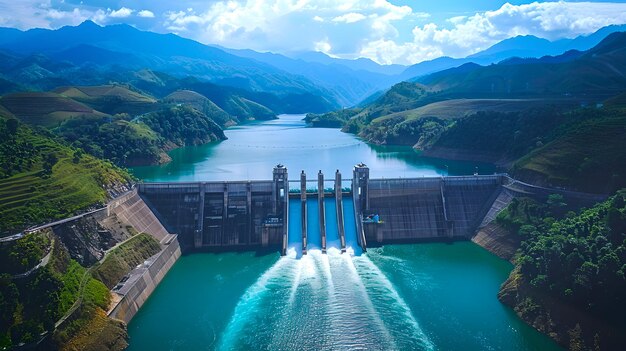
point(347, 215)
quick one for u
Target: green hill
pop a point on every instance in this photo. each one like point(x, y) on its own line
point(45, 109)
point(110, 99)
point(589, 156)
point(202, 104)
point(42, 179)
point(123, 142)
point(183, 126)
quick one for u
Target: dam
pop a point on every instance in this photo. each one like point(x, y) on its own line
point(307, 216)
point(271, 214)
point(318, 213)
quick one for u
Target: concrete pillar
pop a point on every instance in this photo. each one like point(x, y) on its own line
point(303, 210)
point(197, 240)
point(251, 229)
point(225, 221)
point(321, 206)
point(280, 201)
point(361, 181)
point(360, 196)
point(339, 207)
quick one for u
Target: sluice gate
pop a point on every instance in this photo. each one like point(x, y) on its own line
point(266, 214)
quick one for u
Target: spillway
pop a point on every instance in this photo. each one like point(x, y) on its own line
point(313, 225)
point(295, 227)
point(332, 233)
point(352, 242)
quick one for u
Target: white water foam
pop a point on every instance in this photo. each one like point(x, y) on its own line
point(390, 305)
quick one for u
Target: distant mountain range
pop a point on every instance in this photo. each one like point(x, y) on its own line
point(159, 64)
point(565, 81)
point(521, 46)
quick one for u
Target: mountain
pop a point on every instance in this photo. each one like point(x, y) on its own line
point(523, 46)
point(350, 84)
point(359, 64)
point(600, 70)
point(128, 47)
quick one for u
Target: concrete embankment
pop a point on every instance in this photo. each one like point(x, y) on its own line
point(130, 294)
point(134, 290)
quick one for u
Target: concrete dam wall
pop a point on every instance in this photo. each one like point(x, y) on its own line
point(427, 208)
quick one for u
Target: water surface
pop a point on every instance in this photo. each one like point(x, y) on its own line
point(398, 297)
point(402, 297)
point(252, 150)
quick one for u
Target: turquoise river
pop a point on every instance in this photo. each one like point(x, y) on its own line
point(433, 296)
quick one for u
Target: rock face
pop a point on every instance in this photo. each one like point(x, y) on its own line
point(89, 237)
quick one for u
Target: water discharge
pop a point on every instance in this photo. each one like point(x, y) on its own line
point(325, 302)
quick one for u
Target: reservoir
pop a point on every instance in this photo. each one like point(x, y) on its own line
point(434, 296)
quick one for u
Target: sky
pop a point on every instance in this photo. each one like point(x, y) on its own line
point(386, 31)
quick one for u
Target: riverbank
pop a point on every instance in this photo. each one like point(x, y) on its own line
point(566, 323)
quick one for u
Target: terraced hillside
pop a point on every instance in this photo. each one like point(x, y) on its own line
point(110, 99)
point(41, 179)
point(45, 109)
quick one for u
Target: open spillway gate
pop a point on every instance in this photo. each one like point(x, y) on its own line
point(365, 212)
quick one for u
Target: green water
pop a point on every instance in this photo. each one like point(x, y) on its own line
point(252, 151)
point(398, 297)
point(403, 297)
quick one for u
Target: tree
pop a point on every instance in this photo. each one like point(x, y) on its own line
point(12, 126)
point(48, 163)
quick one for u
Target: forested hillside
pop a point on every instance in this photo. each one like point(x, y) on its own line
point(569, 279)
point(42, 178)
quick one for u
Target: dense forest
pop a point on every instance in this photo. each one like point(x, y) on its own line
point(576, 258)
point(144, 140)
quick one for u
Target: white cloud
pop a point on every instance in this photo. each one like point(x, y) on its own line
point(323, 46)
point(121, 13)
point(468, 35)
point(351, 17)
point(290, 25)
point(145, 14)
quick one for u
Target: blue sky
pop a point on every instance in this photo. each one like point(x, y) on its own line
point(387, 31)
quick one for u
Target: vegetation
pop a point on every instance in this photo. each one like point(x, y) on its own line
point(23, 254)
point(420, 133)
point(45, 109)
point(202, 104)
point(588, 156)
point(124, 258)
point(335, 119)
point(42, 179)
point(32, 305)
point(577, 259)
point(124, 143)
point(110, 99)
point(183, 125)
